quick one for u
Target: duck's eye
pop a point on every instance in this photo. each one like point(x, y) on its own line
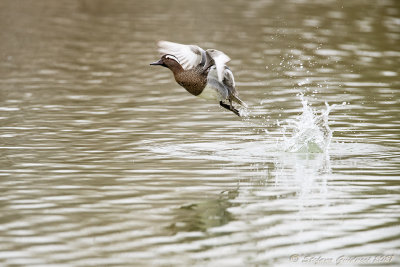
point(173, 58)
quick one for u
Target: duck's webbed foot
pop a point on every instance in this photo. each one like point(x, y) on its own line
point(229, 107)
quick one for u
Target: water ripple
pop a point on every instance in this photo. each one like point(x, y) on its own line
point(106, 161)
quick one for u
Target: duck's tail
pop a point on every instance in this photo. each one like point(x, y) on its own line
point(239, 101)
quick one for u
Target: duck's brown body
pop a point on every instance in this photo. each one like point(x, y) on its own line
point(194, 80)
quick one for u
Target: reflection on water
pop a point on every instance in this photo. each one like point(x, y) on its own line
point(106, 161)
point(204, 215)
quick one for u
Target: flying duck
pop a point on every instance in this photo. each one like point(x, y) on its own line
point(202, 73)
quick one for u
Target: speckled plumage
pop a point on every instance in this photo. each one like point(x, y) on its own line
point(193, 80)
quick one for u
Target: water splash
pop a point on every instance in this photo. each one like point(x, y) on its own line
point(308, 132)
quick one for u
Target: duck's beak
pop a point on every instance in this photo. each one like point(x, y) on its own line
point(160, 62)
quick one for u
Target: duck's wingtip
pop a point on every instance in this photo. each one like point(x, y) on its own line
point(163, 43)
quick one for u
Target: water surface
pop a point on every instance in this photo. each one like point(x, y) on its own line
point(106, 161)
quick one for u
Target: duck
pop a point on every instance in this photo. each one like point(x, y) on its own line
point(202, 73)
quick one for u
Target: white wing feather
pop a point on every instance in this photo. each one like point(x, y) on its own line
point(189, 55)
point(220, 60)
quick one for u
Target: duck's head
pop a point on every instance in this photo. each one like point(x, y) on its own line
point(168, 61)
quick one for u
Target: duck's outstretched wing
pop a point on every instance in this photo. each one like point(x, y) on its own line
point(219, 59)
point(189, 56)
